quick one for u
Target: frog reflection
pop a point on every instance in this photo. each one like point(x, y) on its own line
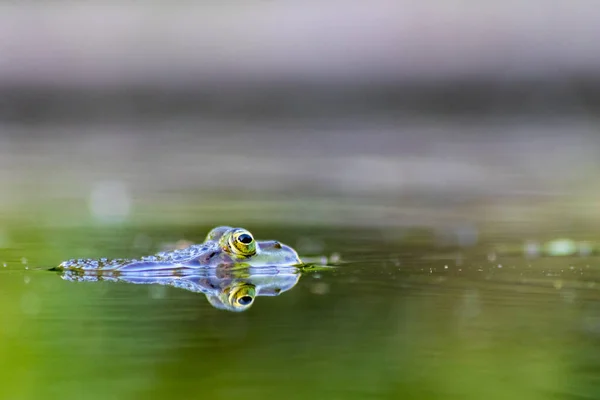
point(231, 290)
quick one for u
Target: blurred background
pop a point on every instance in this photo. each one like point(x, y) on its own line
point(447, 150)
point(338, 112)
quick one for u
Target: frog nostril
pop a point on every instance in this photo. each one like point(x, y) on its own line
point(276, 245)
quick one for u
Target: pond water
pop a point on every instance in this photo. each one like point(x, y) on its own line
point(399, 317)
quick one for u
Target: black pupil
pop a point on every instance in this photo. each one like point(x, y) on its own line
point(245, 300)
point(245, 238)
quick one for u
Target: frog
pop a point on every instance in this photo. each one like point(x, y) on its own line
point(225, 289)
point(223, 247)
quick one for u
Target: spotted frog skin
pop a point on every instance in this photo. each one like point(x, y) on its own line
point(224, 247)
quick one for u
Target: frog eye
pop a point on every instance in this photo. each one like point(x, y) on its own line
point(245, 300)
point(243, 243)
point(244, 238)
point(242, 296)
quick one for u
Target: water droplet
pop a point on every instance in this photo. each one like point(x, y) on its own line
point(335, 258)
point(26, 279)
point(320, 288)
point(531, 249)
point(499, 265)
point(561, 247)
point(558, 284)
point(4, 265)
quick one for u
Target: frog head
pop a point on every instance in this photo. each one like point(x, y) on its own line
point(243, 249)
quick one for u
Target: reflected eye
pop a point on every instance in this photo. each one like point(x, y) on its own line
point(245, 300)
point(243, 243)
point(241, 296)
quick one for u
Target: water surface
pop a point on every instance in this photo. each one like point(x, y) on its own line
point(399, 318)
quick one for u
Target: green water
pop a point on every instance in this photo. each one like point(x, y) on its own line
point(401, 317)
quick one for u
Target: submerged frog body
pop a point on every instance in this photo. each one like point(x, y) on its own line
point(224, 246)
point(225, 289)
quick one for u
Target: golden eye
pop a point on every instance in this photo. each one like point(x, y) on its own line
point(243, 243)
point(242, 297)
point(244, 238)
point(245, 300)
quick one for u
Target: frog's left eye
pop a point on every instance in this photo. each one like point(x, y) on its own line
point(243, 243)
